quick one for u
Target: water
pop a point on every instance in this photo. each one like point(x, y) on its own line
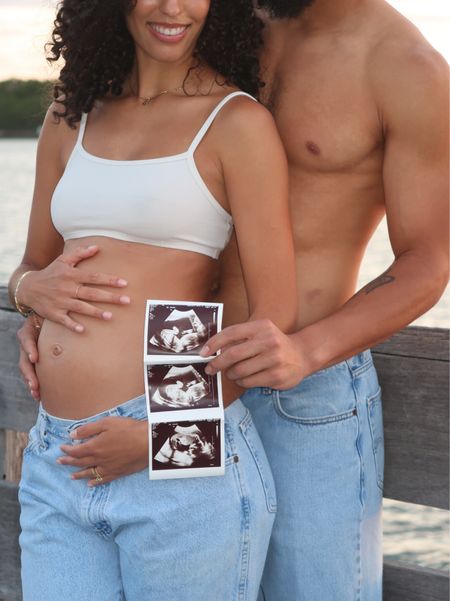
point(413, 533)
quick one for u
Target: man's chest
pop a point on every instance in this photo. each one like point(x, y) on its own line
point(324, 108)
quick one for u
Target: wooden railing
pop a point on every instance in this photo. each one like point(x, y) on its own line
point(413, 368)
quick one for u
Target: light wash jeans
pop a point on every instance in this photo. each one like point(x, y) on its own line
point(202, 539)
point(324, 441)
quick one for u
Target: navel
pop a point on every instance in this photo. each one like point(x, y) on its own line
point(312, 147)
point(57, 350)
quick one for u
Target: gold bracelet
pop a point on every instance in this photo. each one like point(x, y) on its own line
point(22, 309)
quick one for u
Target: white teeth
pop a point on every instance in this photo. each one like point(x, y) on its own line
point(172, 31)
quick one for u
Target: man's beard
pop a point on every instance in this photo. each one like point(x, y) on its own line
point(284, 9)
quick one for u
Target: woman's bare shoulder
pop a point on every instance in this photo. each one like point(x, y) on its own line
point(243, 120)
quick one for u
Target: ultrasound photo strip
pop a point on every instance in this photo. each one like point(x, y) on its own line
point(175, 332)
point(186, 449)
point(184, 403)
point(181, 387)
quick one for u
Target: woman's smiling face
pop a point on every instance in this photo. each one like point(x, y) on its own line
point(167, 30)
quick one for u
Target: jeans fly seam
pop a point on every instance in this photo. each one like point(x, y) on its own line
point(370, 402)
point(358, 448)
point(245, 521)
point(361, 491)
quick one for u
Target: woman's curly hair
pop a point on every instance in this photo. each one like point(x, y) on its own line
point(98, 51)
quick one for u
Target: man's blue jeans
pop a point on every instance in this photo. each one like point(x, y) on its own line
point(139, 540)
point(324, 441)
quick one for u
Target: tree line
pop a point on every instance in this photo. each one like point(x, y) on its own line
point(23, 104)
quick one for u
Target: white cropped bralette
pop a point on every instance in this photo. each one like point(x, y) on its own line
point(162, 202)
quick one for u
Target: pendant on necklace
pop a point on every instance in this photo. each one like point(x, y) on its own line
point(148, 99)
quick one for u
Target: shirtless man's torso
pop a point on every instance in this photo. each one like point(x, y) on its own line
point(360, 101)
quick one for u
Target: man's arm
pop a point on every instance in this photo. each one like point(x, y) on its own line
point(413, 105)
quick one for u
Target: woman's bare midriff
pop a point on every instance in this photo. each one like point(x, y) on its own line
point(83, 374)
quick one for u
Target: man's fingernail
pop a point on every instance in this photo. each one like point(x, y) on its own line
point(205, 351)
point(79, 328)
point(122, 282)
point(106, 314)
point(125, 300)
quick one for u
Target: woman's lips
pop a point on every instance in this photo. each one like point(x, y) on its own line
point(168, 33)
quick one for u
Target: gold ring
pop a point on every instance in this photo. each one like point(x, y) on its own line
point(98, 477)
point(77, 290)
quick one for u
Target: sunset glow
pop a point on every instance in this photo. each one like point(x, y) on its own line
point(25, 26)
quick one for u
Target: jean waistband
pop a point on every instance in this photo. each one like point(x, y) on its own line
point(62, 427)
point(236, 412)
point(356, 365)
point(135, 408)
point(360, 362)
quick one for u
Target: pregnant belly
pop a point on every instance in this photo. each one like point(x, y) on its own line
point(83, 374)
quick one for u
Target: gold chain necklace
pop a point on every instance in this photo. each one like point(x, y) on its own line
point(148, 99)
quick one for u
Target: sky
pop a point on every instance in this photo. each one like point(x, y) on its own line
point(25, 26)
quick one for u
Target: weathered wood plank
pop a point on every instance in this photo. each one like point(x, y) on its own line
point(15, 444)
point(418, 342)
point(9, 534)
point(403, 582)
point(2, 456)
point(415, 408)
point(416, 429)
point(18, 410)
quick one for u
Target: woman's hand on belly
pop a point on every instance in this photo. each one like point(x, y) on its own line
point(115, 446)
point(62, 287)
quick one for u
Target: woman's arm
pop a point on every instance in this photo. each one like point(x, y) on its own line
point(44, 243)
point(256, 179)
point(50, 287)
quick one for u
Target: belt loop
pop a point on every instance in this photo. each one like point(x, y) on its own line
point(42, 426)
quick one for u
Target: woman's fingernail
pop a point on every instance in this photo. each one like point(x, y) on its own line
point(79, 328)
point(73, 434)
point(106, 314)
point(91, 247)
point(122, 282)
point(125, 300)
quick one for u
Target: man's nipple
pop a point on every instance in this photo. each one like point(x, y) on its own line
point(313, 148)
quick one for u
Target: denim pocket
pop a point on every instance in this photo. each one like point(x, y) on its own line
point(258, 453)
point(293, 408)
point(375, 414)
